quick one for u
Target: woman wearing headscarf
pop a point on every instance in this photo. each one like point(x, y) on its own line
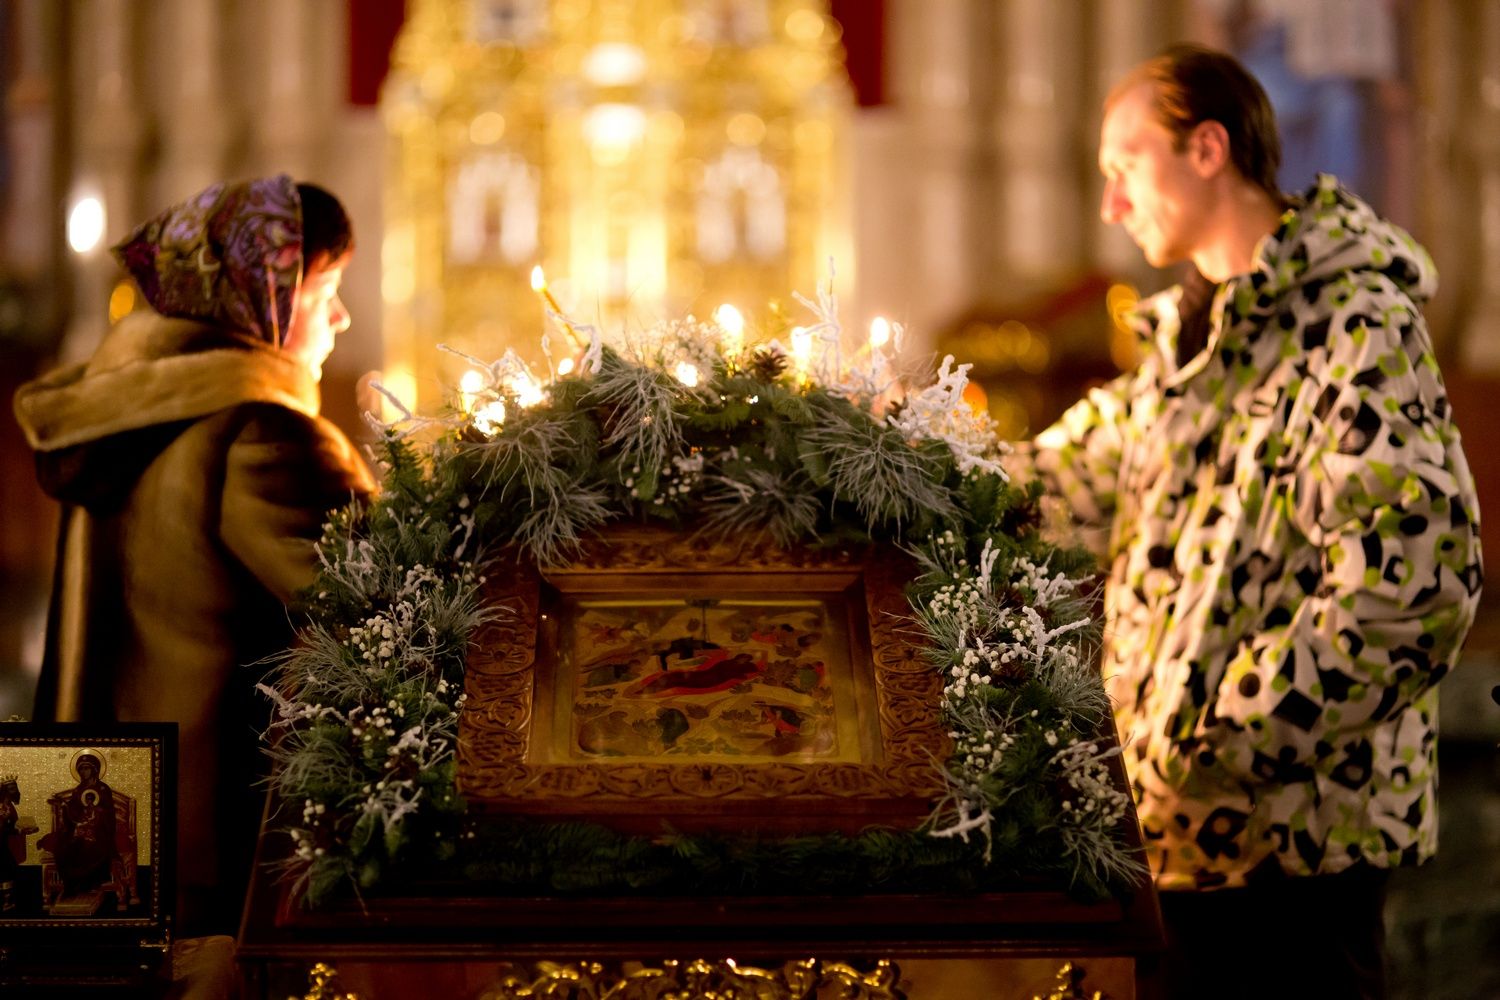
point(195, 475)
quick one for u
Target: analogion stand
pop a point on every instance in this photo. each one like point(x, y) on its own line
point(464, 946)
point(450, 942)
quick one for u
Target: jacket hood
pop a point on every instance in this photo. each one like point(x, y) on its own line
point(95, 425)
point(1328, 231)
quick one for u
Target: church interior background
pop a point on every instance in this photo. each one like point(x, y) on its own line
point(660, 157)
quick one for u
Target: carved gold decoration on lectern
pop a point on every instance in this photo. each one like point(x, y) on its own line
point(323, 984)
point(1071, 985)
point(806, 979)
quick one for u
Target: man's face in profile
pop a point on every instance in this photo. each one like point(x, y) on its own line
point(1150, 188)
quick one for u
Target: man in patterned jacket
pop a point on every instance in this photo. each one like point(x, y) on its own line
point(1293, 541)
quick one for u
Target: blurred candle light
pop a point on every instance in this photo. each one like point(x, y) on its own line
point(880, 333)
point(401, 383)
point(121, 301)
point(613, 131)
point(85, 224)
point(470, 386)
point(615, 64)
point(801, 351)
point(732, 322)
point(565, 366)
point(527, 389)
point(687, 373)
point(489, 417)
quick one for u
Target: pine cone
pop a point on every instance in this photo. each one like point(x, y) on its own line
point(768, 364)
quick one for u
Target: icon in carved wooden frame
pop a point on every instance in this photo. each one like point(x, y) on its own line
point(87, 852)
point(661, 680)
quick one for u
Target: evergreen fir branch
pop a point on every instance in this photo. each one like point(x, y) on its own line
point(531, 453)
point(734, 412)
point(764, 500)
point(640, 419)
point(1092, 814)
point(789, 406)
point(871, 467)
point(1073, 680)
point(538, 484)
point(558, 522)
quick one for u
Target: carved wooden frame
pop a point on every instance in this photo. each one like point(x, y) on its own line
point(499, 771)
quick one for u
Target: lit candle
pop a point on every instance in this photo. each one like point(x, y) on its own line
point(565, 366)
point(880, 333)
point(469, 386)
point(687, 373)
point(490, 416)
point(539, 285)
point(527, 389)
point(801, 351)
point(733, 324)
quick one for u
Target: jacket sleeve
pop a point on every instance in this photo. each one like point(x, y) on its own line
point(283, 473)
point(1078, 457)
point(1383, 496)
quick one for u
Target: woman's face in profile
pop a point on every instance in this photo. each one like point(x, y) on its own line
point(318, 316)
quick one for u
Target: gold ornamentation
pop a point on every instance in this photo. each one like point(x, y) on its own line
point(806, 979)
point(323, 984)
point(1071, 986)
point(895, 781)
point(657, 157)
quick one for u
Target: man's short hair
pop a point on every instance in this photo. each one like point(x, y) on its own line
point(1192, 85)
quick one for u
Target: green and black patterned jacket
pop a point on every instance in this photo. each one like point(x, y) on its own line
point(1294, 556)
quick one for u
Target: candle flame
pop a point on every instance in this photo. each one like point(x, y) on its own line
point(880, 332)
point(687, 373)
point(490, 416)
point(538, 279)
point(802, 339)
point(801, 342)
point(528, 390)
point(565, 366)
point(730, 319)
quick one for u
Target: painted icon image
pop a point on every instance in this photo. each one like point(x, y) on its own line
point(729, 678)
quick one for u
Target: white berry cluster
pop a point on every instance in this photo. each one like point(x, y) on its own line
point(981, 751)
point(1096, 802)
point(683, 477)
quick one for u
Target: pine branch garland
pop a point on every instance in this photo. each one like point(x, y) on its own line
point(366, 706)
point(870, 466)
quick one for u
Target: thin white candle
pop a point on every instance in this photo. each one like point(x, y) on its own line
point(539, 285)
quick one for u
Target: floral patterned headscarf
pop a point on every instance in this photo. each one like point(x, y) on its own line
point(229, 255)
